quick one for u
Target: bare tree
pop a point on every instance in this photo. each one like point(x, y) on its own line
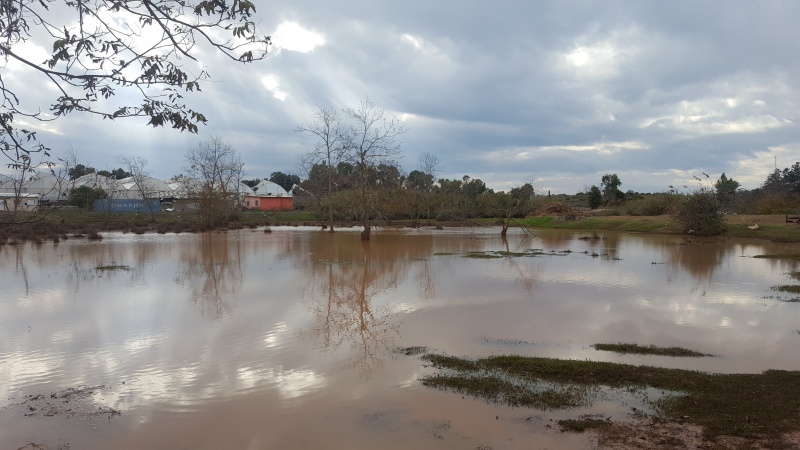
point(372, 141)
point(328, 149)
point(137, 167)
point(430, 164)
point(215, 170)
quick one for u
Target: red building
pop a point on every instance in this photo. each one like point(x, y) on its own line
point(268, 203)
point(268, 196)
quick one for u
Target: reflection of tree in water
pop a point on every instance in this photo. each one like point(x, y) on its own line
point(699, 258)
point(525, 275)
point(346, 276)
point(213, 272)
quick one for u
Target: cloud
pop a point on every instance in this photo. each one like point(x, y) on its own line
point(293, 37)
point(566, 92)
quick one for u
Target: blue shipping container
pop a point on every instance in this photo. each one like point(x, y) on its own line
point(127, 205)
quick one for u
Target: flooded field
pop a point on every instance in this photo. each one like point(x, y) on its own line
point(292, 339)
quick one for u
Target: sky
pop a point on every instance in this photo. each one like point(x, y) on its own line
point(557, 93)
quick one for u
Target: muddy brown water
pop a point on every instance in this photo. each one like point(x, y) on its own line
point(249, 340)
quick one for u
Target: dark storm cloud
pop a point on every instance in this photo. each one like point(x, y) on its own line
point(560, 91)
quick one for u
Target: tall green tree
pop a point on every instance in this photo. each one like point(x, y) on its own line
point(726, 189)
point(286, 181)
point(84, 196)
point(610, 184)
point(595, 197)
point(79, 170)
point(784, 181)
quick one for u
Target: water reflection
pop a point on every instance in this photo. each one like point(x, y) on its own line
point(346, 278)
point(212, 271)
point(271, 319)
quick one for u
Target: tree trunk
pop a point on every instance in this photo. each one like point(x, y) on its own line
point(365, 233)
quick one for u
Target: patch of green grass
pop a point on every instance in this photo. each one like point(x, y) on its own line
point(599, 223)
point(789, 256)
point(791, 288)
point(499, 390)
point(500, 254)
point(745, 405)
point(113, 267)
point(637, 349)
point(444, 253)
point(482, 255)
point(414, 350)
point(581, 425)
point(794, 275)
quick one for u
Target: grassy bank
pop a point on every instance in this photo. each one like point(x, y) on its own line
point(71, 220)
point(742, 405)
point(772, 228)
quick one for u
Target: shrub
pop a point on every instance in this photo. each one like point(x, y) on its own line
point(700, 214)
point(653, 205)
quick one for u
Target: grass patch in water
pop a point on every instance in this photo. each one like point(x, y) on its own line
point(499, 254)
point(581, 425)
point(791, 288)
point(414, 350)
point(497, 389)
point(789, 256)
point(744, 405)
point(794, 275)
point(112, 267)
point(637, 349)
point(481, 255)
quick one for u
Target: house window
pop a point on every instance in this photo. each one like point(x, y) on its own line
point(256, 202)
point(247, 202)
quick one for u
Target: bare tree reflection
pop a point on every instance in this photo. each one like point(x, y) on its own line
point(525, 276)
point(347, 277)
point(213, 272)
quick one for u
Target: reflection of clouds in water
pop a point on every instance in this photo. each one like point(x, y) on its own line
point(140, 343)
point(290, 383)
point(63, 336)
point(47, 300)
point(28, 367)
point(272, 337)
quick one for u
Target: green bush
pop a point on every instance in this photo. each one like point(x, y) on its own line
point(653, 205)
point(700, 214)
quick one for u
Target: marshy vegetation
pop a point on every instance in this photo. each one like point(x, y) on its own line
point(636, 349)
point(742, 405)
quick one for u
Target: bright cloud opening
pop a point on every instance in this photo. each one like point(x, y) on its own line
point(411, 39)
point(291, 36)
point(272, 84)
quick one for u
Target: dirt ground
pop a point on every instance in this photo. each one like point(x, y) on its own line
point(644, 433)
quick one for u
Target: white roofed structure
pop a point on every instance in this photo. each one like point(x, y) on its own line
point(270, 189)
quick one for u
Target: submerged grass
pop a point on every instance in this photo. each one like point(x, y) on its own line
point(789, 256)
point(581, 425)
point(744, 405)
point(494, 254)
point(791, 288)
point(637, 349)
point(112, 267)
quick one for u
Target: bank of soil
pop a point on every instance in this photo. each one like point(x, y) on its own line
point(80, 401)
